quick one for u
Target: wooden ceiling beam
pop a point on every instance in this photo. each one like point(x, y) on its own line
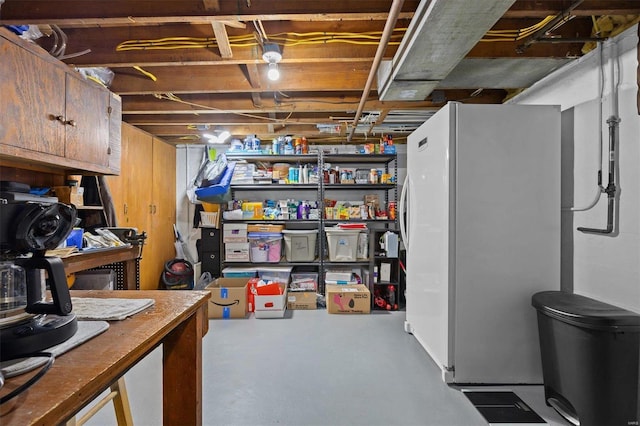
point(222, 40)
point(103, 44)
point(153, 12)
point(227, 79)
point(206, 104)
point(225, 119)
point(541, 9)
point(236, 130)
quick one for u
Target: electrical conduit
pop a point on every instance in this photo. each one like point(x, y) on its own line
point(394, 12)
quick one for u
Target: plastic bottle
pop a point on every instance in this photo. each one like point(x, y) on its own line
point(373, 176)
point(288, 147)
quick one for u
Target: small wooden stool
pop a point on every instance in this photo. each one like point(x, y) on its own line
point(120, 400)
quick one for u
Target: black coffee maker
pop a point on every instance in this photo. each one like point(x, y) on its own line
point(29, 226)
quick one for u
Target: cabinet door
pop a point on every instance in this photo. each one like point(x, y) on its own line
point(115, 133)
point(162, 186)
point(137, 173)
point(117, 185)
point(32, 93)
point(87, 115)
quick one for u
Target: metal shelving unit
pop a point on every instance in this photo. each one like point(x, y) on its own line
point(388, 190)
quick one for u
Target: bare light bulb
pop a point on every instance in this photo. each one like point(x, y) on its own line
point(273, 74)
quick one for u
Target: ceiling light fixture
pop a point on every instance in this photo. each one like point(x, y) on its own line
point(218, 139)
point(271, 54)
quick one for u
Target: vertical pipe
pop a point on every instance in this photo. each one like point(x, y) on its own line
point(613, 122)
point(394, 12)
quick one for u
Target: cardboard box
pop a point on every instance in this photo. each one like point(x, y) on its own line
point(264, 227)
point(236, 252)
point(234, 233)
point(301, 300)
point(228, 298)
point(69, 195)
point(348, 299)
point(272, 306)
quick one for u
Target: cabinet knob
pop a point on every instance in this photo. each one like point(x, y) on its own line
point(61, 119)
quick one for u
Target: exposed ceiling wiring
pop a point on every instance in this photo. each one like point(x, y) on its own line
point(249, 40)
point(289, 39)
point(514, 35)
point(145, 73)
point(174, 98)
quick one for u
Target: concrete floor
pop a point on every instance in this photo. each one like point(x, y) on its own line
point(312, 368)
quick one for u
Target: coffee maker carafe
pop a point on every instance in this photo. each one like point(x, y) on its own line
point(29, 323)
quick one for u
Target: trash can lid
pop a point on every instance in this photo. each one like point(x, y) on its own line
point(585, 312)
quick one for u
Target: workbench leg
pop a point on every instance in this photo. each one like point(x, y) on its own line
point(121, 403)
point(182, 372)
point(120, 399)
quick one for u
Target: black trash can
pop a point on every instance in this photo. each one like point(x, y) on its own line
point(590, 359)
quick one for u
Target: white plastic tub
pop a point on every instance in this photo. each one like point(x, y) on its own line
point(343, 244)
point(300, 245)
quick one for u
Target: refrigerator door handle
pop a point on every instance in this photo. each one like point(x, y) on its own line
point(403, 212)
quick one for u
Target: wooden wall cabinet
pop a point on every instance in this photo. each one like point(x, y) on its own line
point(52, 116)
point(144, 196)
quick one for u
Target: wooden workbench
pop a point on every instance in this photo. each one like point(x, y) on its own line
point(178, 321)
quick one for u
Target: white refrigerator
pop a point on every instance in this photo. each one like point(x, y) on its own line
point(480, 219)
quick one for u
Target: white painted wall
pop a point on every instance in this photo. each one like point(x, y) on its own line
point(604, 267)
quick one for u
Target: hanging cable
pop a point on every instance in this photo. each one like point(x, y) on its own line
point(145, 73)
point(599, 188)
point(174, 98)
point(613, 121)
point(26, 385)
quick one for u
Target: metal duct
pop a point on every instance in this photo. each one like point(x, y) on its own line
point(440, 35)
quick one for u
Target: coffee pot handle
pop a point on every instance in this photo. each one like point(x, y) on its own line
point(61, 304)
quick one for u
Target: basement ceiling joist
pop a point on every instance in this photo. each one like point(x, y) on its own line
point(328, 48)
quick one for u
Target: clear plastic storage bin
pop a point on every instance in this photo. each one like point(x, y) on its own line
point(265, 247)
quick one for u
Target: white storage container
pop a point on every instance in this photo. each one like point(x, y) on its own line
point(236, 252)
point(300, 245)
point(265, 247)
point(272, 306)
point(279, 274)
point(343, 244)
point(234, 272)
point(304, 281)
point(234, 233)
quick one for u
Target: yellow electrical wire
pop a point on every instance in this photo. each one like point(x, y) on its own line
point(174, 98)
point(97, 80)
point(515, 35)
point(146, 73)
point(247, 40)
point(289, 39)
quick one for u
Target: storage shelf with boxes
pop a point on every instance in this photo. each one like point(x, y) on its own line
point(301, 232)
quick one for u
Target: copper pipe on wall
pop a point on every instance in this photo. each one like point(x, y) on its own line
point(394, 12)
